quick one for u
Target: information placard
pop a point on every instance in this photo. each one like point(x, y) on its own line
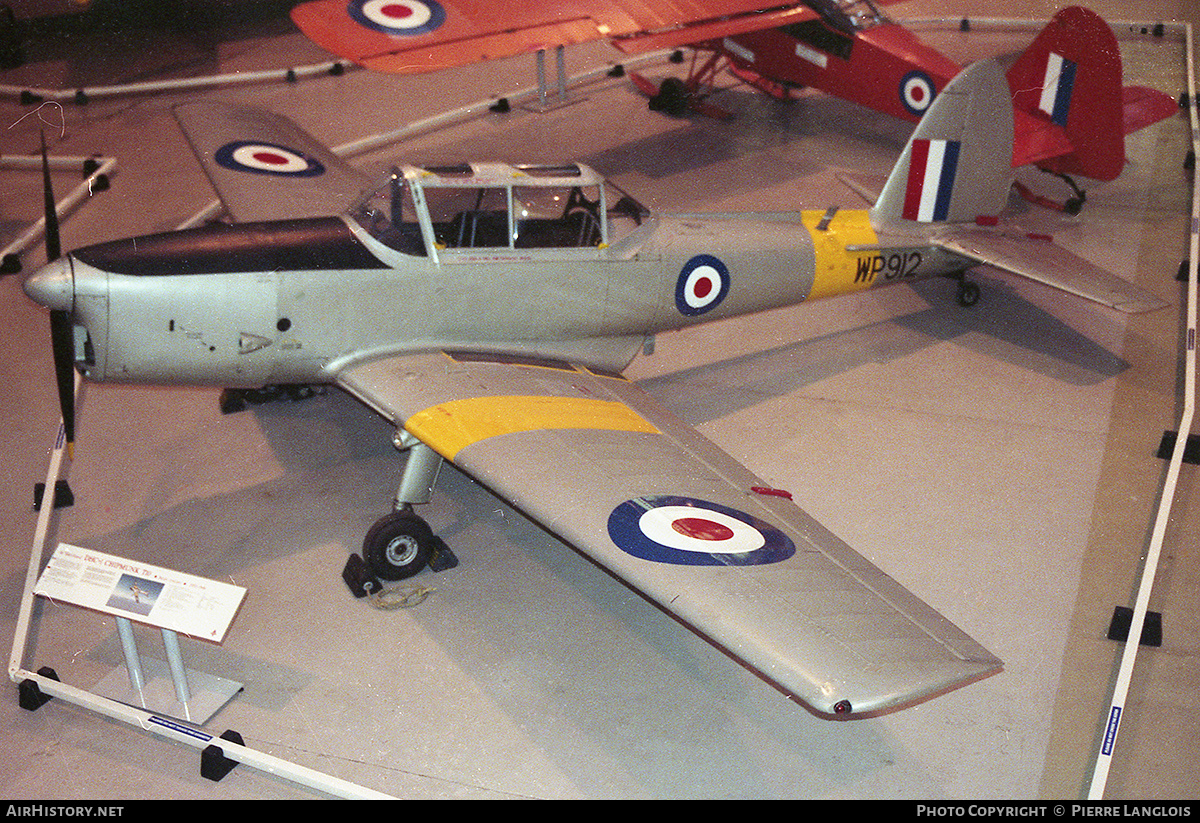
point(183, 603)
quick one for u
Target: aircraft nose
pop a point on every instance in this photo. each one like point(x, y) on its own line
point(53, 285)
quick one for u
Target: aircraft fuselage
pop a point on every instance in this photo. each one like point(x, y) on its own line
point(295, 301)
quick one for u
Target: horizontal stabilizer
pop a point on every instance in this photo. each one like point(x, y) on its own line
point(1042, 261)
point(1144, 107)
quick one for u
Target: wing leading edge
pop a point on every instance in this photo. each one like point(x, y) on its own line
point(598, 462)
point(409, 36)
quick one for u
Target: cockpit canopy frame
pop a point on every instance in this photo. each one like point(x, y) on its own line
point(428, 210)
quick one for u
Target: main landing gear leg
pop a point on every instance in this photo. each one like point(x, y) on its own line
point(968, 292)
point(401, 544)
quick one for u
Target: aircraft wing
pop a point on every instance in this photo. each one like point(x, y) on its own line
point(265, 167)
point(1039, 259)
point(409, 36)
point(598, 462)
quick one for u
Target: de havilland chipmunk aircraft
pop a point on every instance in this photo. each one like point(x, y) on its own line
point(488, 310)
point(847, 48)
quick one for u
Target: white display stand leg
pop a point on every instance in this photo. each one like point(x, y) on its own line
point(544, 101)
point(165, 687)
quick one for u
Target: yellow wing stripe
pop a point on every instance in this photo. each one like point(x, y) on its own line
point(450, 427)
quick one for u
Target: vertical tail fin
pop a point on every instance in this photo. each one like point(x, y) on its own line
point(1070, 77)
point(958, 163)
point(1072, 114)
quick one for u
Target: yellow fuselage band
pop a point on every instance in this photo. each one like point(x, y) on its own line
point(838, 271)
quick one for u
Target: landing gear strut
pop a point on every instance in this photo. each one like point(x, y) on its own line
point(401, 544)
point(968, 292)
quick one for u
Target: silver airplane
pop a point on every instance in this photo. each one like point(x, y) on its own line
point(488, 310)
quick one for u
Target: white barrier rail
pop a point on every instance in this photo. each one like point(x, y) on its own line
point(1116, 708)
point(103, 167)
point(239, 78)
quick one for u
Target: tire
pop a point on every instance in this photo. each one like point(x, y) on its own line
point(398, 546)
point(672, 98)
point(968, 294)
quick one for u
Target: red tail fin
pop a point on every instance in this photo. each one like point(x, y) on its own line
point(1068, 102)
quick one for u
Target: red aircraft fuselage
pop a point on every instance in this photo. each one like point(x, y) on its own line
point(884, 67)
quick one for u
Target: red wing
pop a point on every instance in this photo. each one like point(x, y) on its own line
point(698, 31)
point(408, 36)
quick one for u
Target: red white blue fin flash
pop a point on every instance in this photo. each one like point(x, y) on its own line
point(1057, 86)
point(933, 165)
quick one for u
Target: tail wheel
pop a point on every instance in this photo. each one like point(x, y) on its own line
point(968, 293)
point(398, 546)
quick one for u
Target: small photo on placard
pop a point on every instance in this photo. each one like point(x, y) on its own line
point(135, 594)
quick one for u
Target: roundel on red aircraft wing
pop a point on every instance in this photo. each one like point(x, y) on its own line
point(916, 92)
point(702, 285)
point(685, 531)
point(267, 158)
point(403, 18)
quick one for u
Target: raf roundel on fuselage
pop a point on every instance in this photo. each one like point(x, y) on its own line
point(916, 92)
point(703, 283)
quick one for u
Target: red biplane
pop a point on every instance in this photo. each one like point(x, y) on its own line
point(843, 47)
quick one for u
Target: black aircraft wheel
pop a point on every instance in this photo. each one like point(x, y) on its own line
point(968, 293)
point(398, 546)
point(672, 98)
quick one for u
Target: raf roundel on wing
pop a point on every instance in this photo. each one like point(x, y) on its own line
point(404, 18)
point(266, 158)
point(684, 531)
